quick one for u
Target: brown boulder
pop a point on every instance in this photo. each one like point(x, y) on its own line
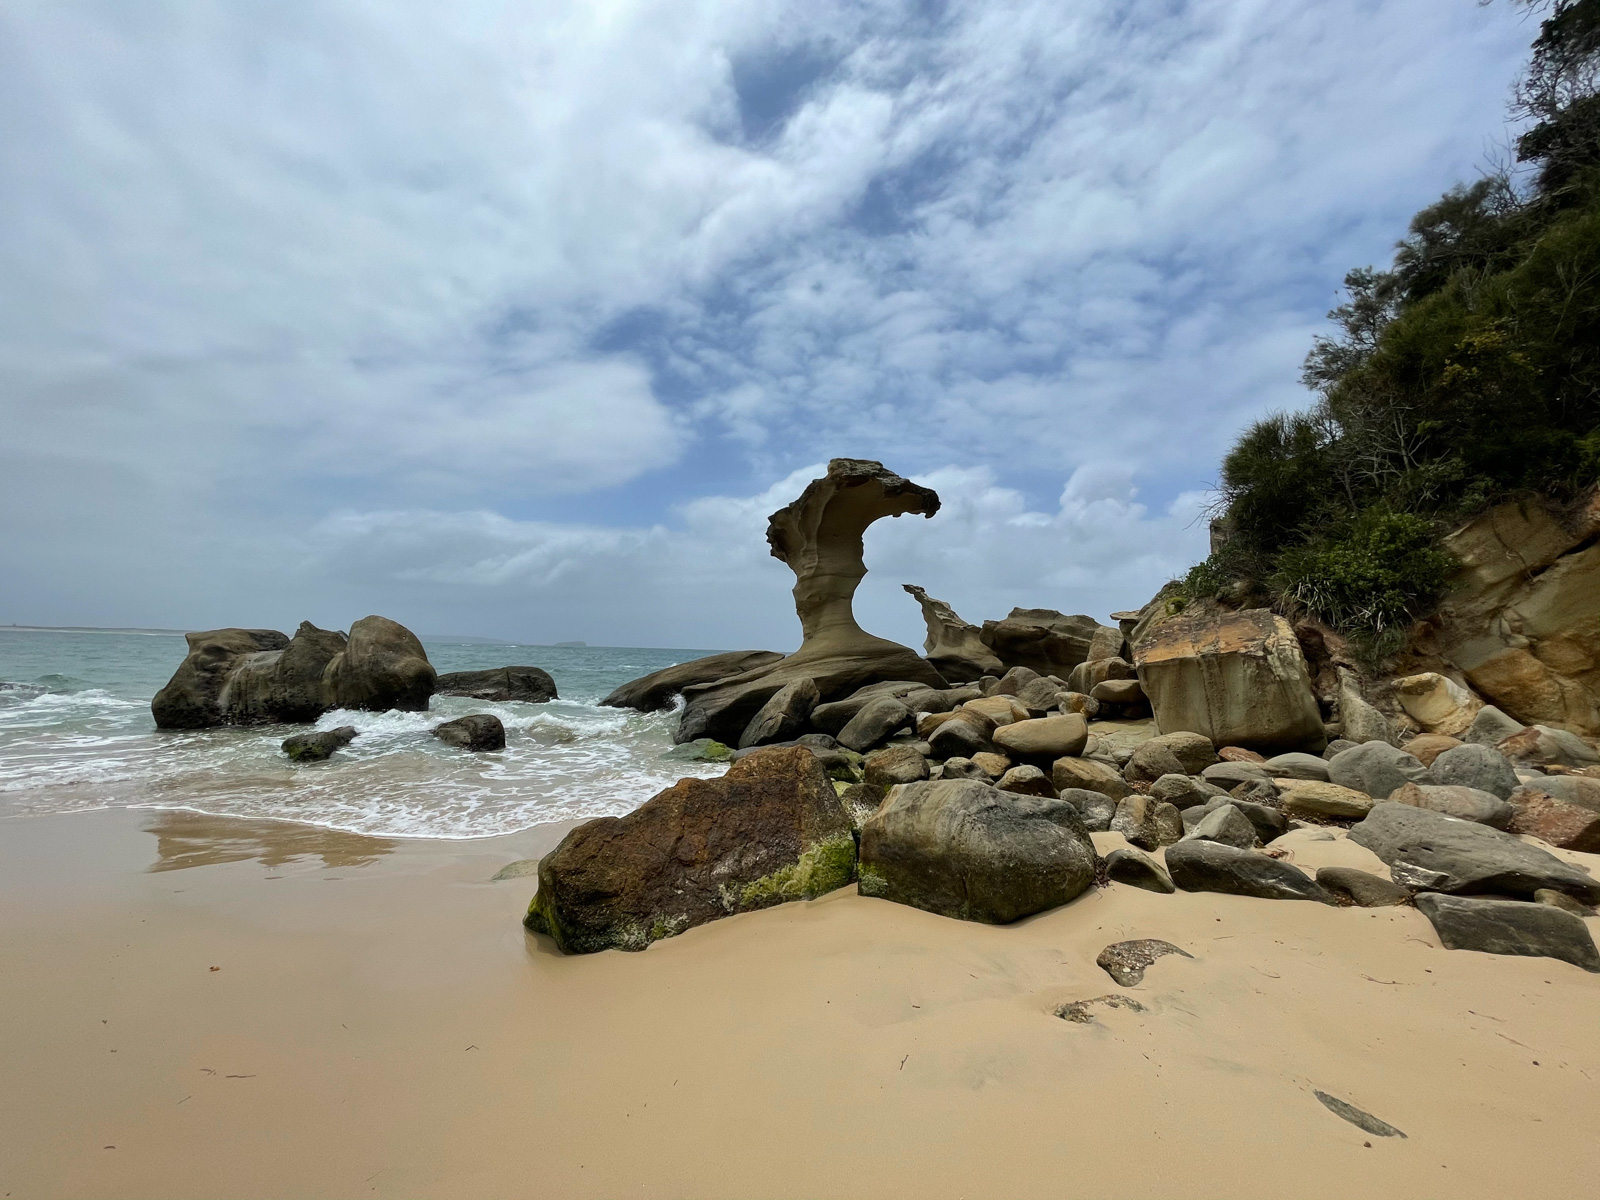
point(953, 646)
point(658, 690)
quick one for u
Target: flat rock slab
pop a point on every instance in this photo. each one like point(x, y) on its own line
point(1360, 1119)
point(1079, 1011)
point(1428, 851)
point(1510, 927)
point(1198, 866)
point(1126, 961)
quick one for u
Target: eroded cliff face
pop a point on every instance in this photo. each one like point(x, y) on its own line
point(954, 646)
point(819, 537)
point(1522, 622)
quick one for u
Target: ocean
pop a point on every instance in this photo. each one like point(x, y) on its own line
point(76, 734)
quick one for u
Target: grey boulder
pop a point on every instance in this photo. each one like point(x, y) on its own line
point(1362, 888)
point(1428, 851)
point(784, 716)
point(1510, 927)
point(1137, 869)
point(1375, 768)
point(874, 723)
point(967, 850)
point(1298, 765)
point(1476, 766)
point(1147, 822)
point(479, 731)
point(1468, 803)
point(1201, 866)
point(317, 746)
point(1095, 809)
point(1227, 825)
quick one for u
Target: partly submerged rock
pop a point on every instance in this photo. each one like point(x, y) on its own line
point(477, 731)
point(1510, 927)
point(529, 685)
point(1428, 851)
point(382, 667)
point(772, 829)
point(700, 750)
point(192, 698)
point(953, 646)
point(1126, 962)
point(660, 689)
point(317, 746)
point(964, 849)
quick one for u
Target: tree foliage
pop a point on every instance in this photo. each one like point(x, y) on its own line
point(1467, 372)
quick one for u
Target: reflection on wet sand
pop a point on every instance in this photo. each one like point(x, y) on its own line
point(187, 839)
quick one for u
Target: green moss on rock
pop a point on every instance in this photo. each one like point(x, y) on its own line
point(826, 867)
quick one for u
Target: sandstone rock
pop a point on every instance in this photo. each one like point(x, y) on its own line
point(1269, 820)
point(1541, 815)
point(1360, 722)
point(700, 750)
point(1201, 866)
point(383, 667)
point(1184, 791)
point(530, 685)
point(192, 698)
point(1337, 746)
point(966, 850)
point(964, 768)
point(478, 731)
point(894, 764)
point(1150, 761)
point(1544, 746)
point(1491, 727)
point(1428, 851)
point(1475, 766)
point(1297, 765)
point(315, 747)
point(1467, 803)
point(954, 647)
point(1118, 691)
point(1563, 901)
point(1069, 773)
point(1087, 675)
point(1362, 888)
point(994, 765)
point(834, 715)
point(1126, 962)
point(963, 736)
point(1078, 702)
point(1000, 710)
point(1375, 768)
point(860, 801)
point(1041, 697)
point(1044, 738)
point(1238, 678)
point(1137, 869)
point(1017, 678)
point(1438, 704)
point(1146, 822)
point(1095, 809)
point(1026, 781)
point(289, 687)
point(1042, 639)
point(1324, 801)
point(1240, 754)
point(1225, 824)
point(785, 715)
point(1426, 747)
point(874, 723)
point(1510, 927)
point(819, 537)
point(771, 829)
point(1573, 789)
point(659, 689)
point(1520, 618)
point(1193, 750)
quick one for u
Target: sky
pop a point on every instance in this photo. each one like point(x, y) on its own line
point(519, 319)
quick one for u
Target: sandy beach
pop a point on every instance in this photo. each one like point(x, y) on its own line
point(200, 1007)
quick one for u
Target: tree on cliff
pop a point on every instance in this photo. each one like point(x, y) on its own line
point(1466, 373)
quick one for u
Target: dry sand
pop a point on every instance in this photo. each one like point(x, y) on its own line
point(378, 1024)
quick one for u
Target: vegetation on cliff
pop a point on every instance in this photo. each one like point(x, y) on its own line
point(1466, 373)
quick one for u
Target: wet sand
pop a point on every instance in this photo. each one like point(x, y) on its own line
point(378, 1024)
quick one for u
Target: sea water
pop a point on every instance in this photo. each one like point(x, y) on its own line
point(76, 734)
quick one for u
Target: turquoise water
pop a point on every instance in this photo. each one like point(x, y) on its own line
point(76, 734)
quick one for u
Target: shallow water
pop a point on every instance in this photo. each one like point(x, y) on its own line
point(76, 733)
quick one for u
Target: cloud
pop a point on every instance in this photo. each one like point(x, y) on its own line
point(589, 270)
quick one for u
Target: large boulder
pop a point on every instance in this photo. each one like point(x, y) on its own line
point(1086, 676)
point(255, 676)
point(1087, 774)
point(530, 685)
point(1428, 851)
point(1475, 766)
point(1049, 642)
point(964, 849)
point(784, 716)
point(819, 536)
point(660, 689)
point(1520, 619)
point(1510, 927)
point(477, 731)
point(1044, 738)
point(874, 723)
point(1146, 822)
point(769, 830)
point(1467, 803)
point(954, 647)
point(1239, 678)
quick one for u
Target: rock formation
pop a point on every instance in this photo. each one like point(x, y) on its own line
point(954, 647)
point(531, 685)
point(257, 676)
point(1049, 642)
point(1239, 678)
point(1521, 621)
point(660, 689)
point(819, 537)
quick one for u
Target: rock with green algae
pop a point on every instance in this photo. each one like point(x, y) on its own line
point(964, 849)
point(770, 830)
point(700, 750)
